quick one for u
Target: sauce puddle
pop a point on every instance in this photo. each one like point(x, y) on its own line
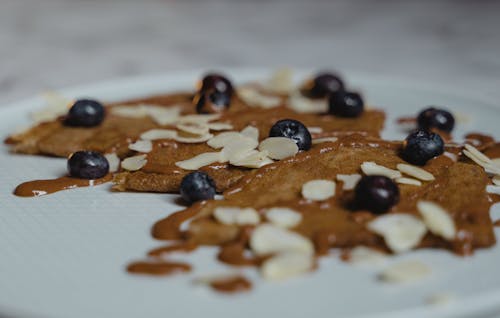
point(38, 188)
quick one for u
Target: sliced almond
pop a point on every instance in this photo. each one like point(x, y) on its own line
point(155, 134)
point(198, 118)
point(193, 128)
point(269, 239)
point(409, 181)
point(318, 190)
point(437, 220)
point(404, 272)
point(194, 140)
point(349, 181)
point(415, 172)
point(315, 130)
point(253, 97)
point(130, 111)
point(251, 159)
point(450, 155)
point(283, 217)
point(361, 255)
point(477, 154)
point(199, 161)
point(237, 216)
point(401, 232)
point(144, 146)
point(279, 147)
point(480, 159)
point(238, 148)
point(225, 138)
point(56, 105)
point(303, 104)
point(371, 168)
point(493, 189)
point(113, 161)
point(251, 132)
point(134, 163)
point(219, 126)
point(163, 115)
point(325, 139)
point(286, 265)
point(496, 180)
point(281, 81)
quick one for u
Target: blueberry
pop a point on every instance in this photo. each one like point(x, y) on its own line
point(294, 130)
point(212, 102)
point(216, 82)
point(87, 165)
point(346, 104)
point(325, 84)
point(376, 194)
point(435, 118)
point(85, 113)
point(197, 186)
point(421, 146)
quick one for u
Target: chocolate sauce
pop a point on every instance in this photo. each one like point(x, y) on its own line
point(158, 268)
point(38, 188)
point(231, 285)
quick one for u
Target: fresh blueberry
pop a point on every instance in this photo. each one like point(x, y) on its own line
point(325, 84)
point(216, 82)
point(376, 194)
point(87, 165)
point(197, 186)
point(435, 118)
point(294, 130)
point(85, 113)
point(346, 104)
point(421, 146)
point(212, 102)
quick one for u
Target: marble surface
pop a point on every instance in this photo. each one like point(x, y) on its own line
point(49, 44)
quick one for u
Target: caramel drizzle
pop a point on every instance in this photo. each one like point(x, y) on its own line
point(158, 268)
point(38, 188)
point(231, 285)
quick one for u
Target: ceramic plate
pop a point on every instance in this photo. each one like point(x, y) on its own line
point(64, 255)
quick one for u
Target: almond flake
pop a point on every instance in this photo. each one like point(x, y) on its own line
point(283, 217)
point(371, 168)
point(56, 105)
point(450, 155)
point(253, 97)
point(163, 115)
point(134, 163)
point(409, 181)
point(286, 265)
point(404, 272)
point(251, 159)
point(496, 162)
point(237, 216)
point(361, 255)
point(238, 148)
point(144, 146)
point(303, 104)
point(251, 132)
point(193, 140)
point(482, 160)
point(224, 139)
point(318, 190)
point(113, 161)
point(496, 180)
point(279, 147)
point(195, 129)
point(281, 81)
point(219, 126)
point(437, 220)
point(401, 232)
point(199, 161)
point(325, 139)
point(198, 118)
point(478, 154)
point(269, 239)
point(415, 172)
point(349, 181)
point(155, 134)
point(315, 130)
point(493, 189)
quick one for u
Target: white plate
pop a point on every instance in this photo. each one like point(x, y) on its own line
point(64, 255)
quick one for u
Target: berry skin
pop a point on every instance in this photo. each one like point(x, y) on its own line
point(346, 104)
point(376, 194)
point(436, 118)
point(85, 113)
point(294, 130)
point(211, 102)
point(197, 186)
point(325, 84)
point(421, 146)
point(216, 82)
point(87, 165)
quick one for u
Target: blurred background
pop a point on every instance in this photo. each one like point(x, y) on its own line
point(48, 44)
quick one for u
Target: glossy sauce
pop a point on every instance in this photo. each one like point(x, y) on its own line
point(185, 247)
point(158, 268)
point(231, 285)
point(37, 188)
